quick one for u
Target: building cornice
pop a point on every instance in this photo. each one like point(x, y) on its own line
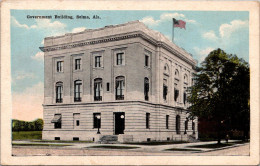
point(179, 53)
point(116, 103)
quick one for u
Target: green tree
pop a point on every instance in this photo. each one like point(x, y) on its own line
point(221, 91)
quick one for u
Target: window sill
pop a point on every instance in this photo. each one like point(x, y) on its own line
point(98, 68)
point(147, 67)
point(80, 70)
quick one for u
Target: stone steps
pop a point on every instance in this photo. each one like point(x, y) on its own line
point(108, 139)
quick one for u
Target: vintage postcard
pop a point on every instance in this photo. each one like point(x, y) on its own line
point(128, 82)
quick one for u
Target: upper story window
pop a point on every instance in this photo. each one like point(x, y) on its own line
point(185, 82)
point(98, 89)
point(59, 90)
point(146, 88)
point(146, 62)
point(119, 58)
point(165, 89)
point(176, 85)
point(97, 61)
point(120, 86)
point(77, 90)
point(59, 66)
point(78, 64)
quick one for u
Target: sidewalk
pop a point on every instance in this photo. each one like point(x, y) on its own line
point(141, 148)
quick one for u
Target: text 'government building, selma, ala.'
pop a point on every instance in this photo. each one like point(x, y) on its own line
point(124, 80)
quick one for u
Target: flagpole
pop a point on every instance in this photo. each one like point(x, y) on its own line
point(173, 30)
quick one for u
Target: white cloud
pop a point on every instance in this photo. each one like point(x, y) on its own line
point(22, 75)
point(16, 23)
point(42, 42)
point(202, 53)
point(27, 105)
point(226, 30)
point(210, 35)
point(149, 20)
point(39, 56)
point(55, 27)
point(79, 29)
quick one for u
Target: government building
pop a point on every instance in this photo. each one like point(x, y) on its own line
point(125, 81)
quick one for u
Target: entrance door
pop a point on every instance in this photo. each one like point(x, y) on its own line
point(119, 122)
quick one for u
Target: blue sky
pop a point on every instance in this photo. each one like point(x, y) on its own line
point(205, 31)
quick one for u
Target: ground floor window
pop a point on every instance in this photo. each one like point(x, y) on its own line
point(147, 120)
point(167, 121)
point(178, 124)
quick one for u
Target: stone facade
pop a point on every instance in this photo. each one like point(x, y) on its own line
point(95, 77)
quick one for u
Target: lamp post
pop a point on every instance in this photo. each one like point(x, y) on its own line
point(98, 125)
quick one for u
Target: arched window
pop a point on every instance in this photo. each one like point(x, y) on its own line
point(165, 89)
point(146, 88)
point(178, 124)
point(185, 84)
point(120, 86)
point(77, 90)
point(176, 85)
point(98, 89)
point(166, 70)
point(59, 91)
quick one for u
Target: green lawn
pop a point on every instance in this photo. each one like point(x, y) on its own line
point(60, 141)
point(29, 144)
point(26, 135)
point(113, 147)
point(154, 143)
point(213, 146)
point(181, 149)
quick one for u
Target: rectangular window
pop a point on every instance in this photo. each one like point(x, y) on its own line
point(97, 61)
point(167, 121)
point(77, 64)
point(59, 66)
point(75, 138)
point(108, 86)
point(146, 63)
point(57, 121)
point(96, 120)
point(119, 58)
point(56, 138)
point(184, 98)
point(147, 120)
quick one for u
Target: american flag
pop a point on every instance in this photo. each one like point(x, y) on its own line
point(179, 23)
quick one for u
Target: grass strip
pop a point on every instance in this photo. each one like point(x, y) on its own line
point(113, 147)
point(26, 135)
point(182, 149)
point(212, 146)
point(59, 141)
point(154, 143)
point(29, 144)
